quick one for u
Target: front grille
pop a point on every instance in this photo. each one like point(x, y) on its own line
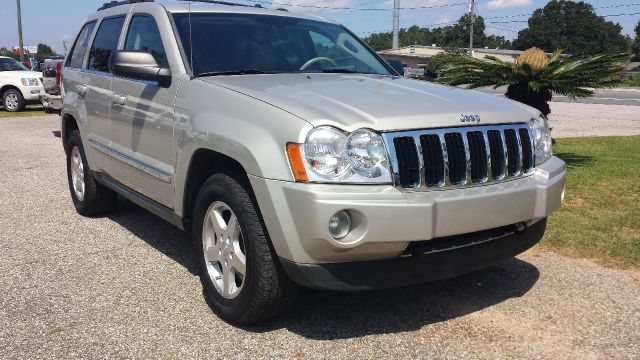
point(407, 158)
point(460, 157)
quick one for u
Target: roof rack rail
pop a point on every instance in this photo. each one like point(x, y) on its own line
point(111, 4)
point(225, 3)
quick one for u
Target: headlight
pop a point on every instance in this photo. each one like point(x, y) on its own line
point(330, 155)
point(30, 81)
point(541, 140)
point(325, 152)
point(366, 153)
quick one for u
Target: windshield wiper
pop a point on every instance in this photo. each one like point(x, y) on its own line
point(339, 70)
point(234, 72)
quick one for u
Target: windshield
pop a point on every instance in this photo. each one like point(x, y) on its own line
point(8, 64)
point(226, 44)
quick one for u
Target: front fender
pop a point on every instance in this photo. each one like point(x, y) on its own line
point(245, 129)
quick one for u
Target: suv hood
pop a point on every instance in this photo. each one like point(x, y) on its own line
point(20, 74)
point(351, 101)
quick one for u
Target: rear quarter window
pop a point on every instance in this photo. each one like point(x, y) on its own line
point(105, 42)
point(80, 47)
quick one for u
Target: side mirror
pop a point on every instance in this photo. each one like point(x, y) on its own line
point(138, 65)
point(397, 65)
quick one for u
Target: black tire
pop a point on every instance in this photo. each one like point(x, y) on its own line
point(266, 290)
point(97, 199)
point(17, 96)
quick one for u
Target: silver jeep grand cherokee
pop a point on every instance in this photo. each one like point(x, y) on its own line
point(294, 155)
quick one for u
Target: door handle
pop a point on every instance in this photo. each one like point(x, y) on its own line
point(119, 99)
point(81, 89)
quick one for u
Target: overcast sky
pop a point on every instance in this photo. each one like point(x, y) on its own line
point(52, 21)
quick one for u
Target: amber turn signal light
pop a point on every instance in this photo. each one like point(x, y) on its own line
point(296, 162)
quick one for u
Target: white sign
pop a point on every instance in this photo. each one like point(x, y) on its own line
point(413, 72)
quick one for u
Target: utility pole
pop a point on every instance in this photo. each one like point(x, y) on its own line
point(472, 17)
point(20, 44)
point(396, 24)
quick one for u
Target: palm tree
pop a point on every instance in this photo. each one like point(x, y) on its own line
point(533, 77)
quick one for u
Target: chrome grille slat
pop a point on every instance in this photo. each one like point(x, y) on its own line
point(467, 156)
point(520, 156)
point(506, 160)
point(488, 150)
point(460, 157)
point(445, 159)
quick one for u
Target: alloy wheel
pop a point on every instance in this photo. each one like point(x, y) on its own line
point(77, 173)
point(11, 101)
point(224, 251)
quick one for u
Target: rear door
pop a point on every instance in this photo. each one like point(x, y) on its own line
point(142, 114)
point(74, 81)
point(96, 82)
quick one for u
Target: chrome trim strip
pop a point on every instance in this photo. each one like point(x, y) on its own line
point(131, 161)
point(422, 185)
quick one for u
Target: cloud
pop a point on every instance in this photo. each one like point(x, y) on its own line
point(498, 4)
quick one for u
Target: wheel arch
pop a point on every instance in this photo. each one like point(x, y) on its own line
point(203, 163)
point(67, 126)
point(7, 87)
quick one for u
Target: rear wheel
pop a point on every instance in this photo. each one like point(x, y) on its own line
point(89, 197)
point(239, 271)
point(13, 101)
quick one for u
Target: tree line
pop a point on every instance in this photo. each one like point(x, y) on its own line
point(44, 51)
point(560, 24)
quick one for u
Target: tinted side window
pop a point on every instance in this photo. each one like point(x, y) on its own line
point(105, 42)
point(80, 47)
point(144, 36)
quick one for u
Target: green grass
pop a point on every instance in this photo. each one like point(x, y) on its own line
point(633, 81)
point(600, 218)
point(31, 110)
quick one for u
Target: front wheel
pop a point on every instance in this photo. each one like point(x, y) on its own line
point(13, 101)
point(239, 270)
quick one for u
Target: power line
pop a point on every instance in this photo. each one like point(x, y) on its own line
point(524, 21)
point(596, 8)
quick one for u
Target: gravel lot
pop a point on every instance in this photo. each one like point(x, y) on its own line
point(123, 286)
point(573, 119)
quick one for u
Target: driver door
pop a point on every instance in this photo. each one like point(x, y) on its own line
point(142, 119)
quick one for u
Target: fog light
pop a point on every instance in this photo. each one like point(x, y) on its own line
point(340, 224)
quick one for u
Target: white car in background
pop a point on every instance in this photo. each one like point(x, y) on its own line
point(18, 85)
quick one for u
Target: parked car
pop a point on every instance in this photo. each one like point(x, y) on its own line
point(18, 85)
point(52, 81)
point(294, 156)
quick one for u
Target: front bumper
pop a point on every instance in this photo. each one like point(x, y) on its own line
point(32, 93)
point(425, 261)
point(386, 220)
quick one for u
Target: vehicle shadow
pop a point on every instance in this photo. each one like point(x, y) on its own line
point(161, 235)
point(574, 160)
point(328, 315)
point(324, 315)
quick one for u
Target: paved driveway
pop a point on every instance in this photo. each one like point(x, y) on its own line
point(124, 286)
